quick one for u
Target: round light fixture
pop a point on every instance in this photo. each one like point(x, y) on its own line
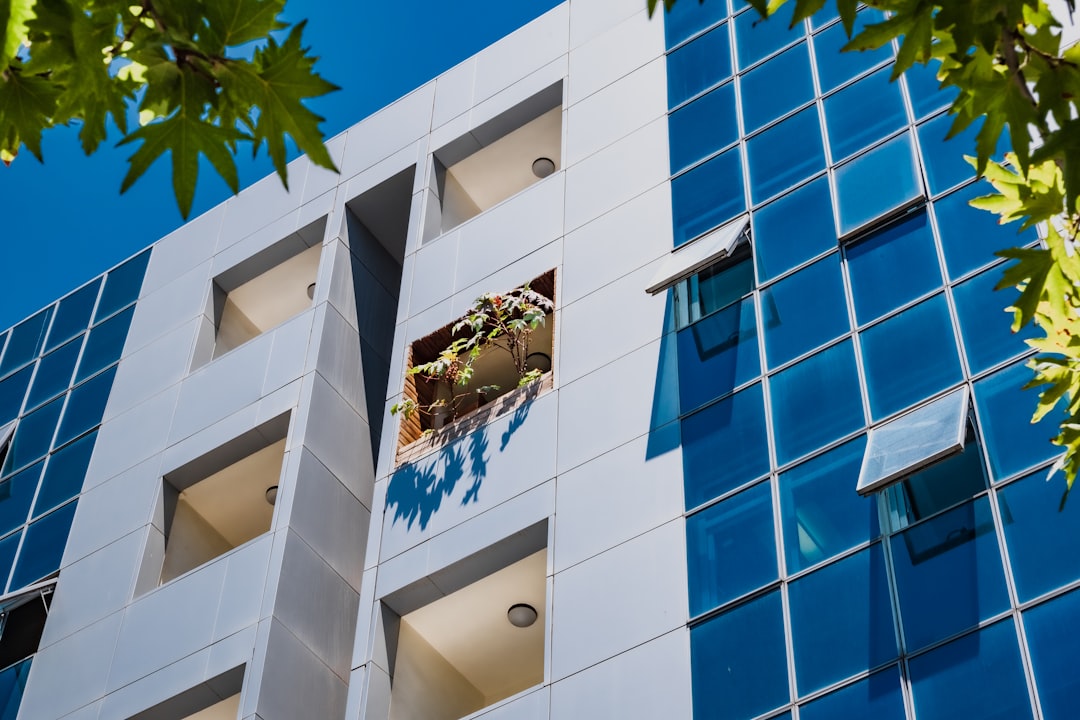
point(538, 361)
point(311, 291)
point(542, 167)
point(271, 494)
point(521, 615)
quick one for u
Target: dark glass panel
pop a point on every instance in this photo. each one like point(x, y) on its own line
point(776, 87)
point(970, 236)
point(944, 159)
point(54, 373)
point(16, 494)
point(44, 546)
point(25, 341)
point(851, 127)
point(834, 67)
point(804, 310)
point(122, 286)
point(717, 354)
point(1040, 522)
point(12, 392)
point(1052, 629)
point(707, 196)
point(925, 89)
point(756, 39)
point(704, 126)
point(73, 314)
point(985, 326)
point(1013, 443)
point(85, 407)
point(876, 183)
point(12, 685)
point(785, 154)
point(794, 228)
point(689, 18)
point(105, 344)
point(698, 65)
point(33, 436)
point(65, 474)
point(878, 696)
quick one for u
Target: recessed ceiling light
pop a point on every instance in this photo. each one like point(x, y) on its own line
point(521, 615)
point(542, 167)
point(311, 291)
point(271, 494)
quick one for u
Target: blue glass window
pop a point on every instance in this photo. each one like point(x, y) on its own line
point(925, 89)
point(731, 548)
point(25, 341)
point(704, 126)
point(33, 436)
point(16, 494)
point(977, 676)
point(1038, 525)
point(756, 39)
point(948, 573)
point(804, 310)
point(720, 285)
point(73, 314)
point(8, 546)
point(698, 65)
point(54, 373)
point(12, 392)
point(909, 357)
point(724, 446)
point(12, 685)
point(940, 486)
point(85, 406)
point(776, 87)
point(1013, 443)
point(985, 325)
point(122, 286)
point(878, 696)
point(785, 154)
point(815, 402)
point(43, 547)
point(944, 159)
point(851, 128)
point(1050, 629)
point(707, 196)
point(738, 662)
point(892, 267)
point(65, 474)
point(970, 236)
point(834, 67)
point(841, 620)
point(876, 183)
point(821, 516)
point(717, 354)
point(794, 228)
point(689, 18)
point(105, 344)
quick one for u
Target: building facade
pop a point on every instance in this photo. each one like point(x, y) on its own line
point(777, 464)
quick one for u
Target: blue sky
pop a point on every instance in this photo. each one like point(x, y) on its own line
point(65, 221)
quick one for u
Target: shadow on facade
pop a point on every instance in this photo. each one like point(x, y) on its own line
point(664, 435)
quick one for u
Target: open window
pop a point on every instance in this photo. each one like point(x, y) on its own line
point(498, 159)
point(480, 642)
point(7, 432)
point(223, 499)
point(265, 290)
point(22, 621)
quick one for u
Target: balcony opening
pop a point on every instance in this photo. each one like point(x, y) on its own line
point(498, 159)
point(265, 290)
point(217, 698)
point(223, 499)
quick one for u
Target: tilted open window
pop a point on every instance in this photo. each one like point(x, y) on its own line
point(7, 432)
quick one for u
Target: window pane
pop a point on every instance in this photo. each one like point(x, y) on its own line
point(731, 548)
point(16, 494)
point(12, 392)
point(841, 620)
point(698, 65)
point(940, 486)
point(686, 19)
point(824, 387)
point(785, 154)
point(985, 325)
point(707, 196)
point(54, 373)
point(876, 183)
point(724, 446)
point(1013, 443)
point(891, 267)
point(948, 574)
point(33, 436)
point(738, 662)
point(12, 684)
point(8, 546)
point(821, 516)
point(804, 311)
point(717, 354)
point(755, 39)
point(977, 676)
point(1051, 632)
point(776, 87)
point(25, 341)
point(969, 236)
point(909, 357)
point(105, 344)
point(122, 286)
point(793, 229)
point(835, 67)
point(85, 407)
point(720, 285)
point(44, 546)
point(878, 697)
point(851, 128)
point(73, 314)
point(924, 89)
point(703, 127)
point(1038, 528)
point(944, 159)
point(65, 474)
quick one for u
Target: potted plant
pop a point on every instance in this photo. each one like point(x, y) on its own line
point(494, 323)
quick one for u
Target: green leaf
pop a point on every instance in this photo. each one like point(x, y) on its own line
point(26, 106)
point(14, 15)
point(235, 22)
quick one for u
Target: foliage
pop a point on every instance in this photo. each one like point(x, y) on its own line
point(183, 62)
point(500, 322)
point(1006, 60)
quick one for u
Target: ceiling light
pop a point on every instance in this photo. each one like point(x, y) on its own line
point(521, 615)
point(311, 291)
point(271, 494)
point(542, 167)
point(538, 361)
